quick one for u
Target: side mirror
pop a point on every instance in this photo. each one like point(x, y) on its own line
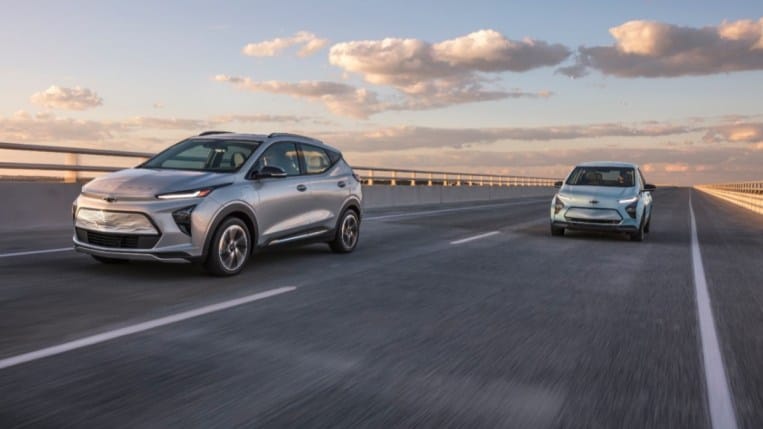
point(649, 188)
point(558, 184)
point(270, 171)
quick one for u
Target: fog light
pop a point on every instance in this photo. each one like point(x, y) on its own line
point(182, 218)
point(631, 210)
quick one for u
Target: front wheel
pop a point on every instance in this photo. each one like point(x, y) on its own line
point(557, 231)
point(229, 249)
point(640, 234)
point(347, 233)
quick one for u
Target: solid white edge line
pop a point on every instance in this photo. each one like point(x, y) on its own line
point(718, 394)
point(476, 237)
point(35, 252)
point(455, 209)
point(140, 327)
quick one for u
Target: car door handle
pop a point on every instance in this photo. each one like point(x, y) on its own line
point(341, 184)
point(301, 188)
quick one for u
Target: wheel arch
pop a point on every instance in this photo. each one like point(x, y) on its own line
point(239, 210)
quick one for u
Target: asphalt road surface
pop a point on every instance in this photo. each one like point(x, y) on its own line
point(463, 316)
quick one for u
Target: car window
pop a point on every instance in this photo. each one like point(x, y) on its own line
point(204, 155)
point(282, 155)
point(622, 177)
point(316, 159)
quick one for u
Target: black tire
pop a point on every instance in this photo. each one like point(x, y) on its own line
point(105, 260)
point(347, 232)
point(557, 231)
point(229, 249)
point(640, 234)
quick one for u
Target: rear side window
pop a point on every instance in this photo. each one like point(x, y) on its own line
point(282, 155)
point(620, 177)
point(316, 159)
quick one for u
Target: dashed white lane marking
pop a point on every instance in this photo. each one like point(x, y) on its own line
point(35, 252)
point(456, 209)
point(140, 327)
point(718, 394)
point(475, 237)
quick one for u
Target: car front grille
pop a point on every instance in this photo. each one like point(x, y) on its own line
point(120, 241)
point(594, 221)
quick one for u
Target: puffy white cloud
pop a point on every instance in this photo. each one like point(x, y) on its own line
point(654, 49)
point(446, 73)
point(77, 98)
point(309, 44)
point(406, 62)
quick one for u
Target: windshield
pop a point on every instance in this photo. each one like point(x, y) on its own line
point(204, 155)
point(621, 177)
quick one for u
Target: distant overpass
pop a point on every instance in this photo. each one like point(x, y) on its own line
point(458, 308)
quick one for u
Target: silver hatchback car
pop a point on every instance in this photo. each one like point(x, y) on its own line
point(603, 196)
point(216, 197)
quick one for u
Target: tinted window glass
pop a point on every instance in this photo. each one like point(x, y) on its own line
point(204, 155)
point(622, 177)
point(282, 155)
point(316, 159)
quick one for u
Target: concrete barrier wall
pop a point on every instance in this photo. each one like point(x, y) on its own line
point(401, 196)
point(36, 205)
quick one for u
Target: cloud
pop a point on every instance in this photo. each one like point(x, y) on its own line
point(738, 132)
point(408, 62)
point(309, 44)
point(77, 98)
point(655, 49)
point(47, 127)
point(339, 98)
point(23, 127)
point(412, 137)
point(442, 74)
point(348, 100)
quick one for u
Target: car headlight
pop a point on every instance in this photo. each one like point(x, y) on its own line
point(628, 200)
point(198, 193)
point(558, 205)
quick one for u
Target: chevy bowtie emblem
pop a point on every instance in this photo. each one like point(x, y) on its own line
point(110, 199)
point(594, 202)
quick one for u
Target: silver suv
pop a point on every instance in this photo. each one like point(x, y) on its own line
point(216, 197)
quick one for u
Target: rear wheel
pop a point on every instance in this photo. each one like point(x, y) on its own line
point(105, 260)
point(557, 231)
point(229, 249)
point(347, 233)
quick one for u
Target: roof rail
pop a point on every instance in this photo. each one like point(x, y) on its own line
point(209, 133)
point(271, 135)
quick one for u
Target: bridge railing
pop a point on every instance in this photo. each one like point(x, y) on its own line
point(370, 176)
point(745, 194)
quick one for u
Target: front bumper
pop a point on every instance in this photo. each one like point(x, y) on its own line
point(131, 240)
point(595, 227)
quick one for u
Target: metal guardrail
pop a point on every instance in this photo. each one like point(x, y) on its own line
point(369, 175)
point(745, 194)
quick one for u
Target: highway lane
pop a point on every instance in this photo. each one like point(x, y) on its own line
point(732, 246)
point(514, 329)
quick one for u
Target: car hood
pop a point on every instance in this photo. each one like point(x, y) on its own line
point(147, 183)
point(606, 196)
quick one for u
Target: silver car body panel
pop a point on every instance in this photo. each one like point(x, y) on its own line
point(278, 210)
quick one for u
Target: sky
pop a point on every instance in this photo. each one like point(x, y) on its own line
point(505, 87)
